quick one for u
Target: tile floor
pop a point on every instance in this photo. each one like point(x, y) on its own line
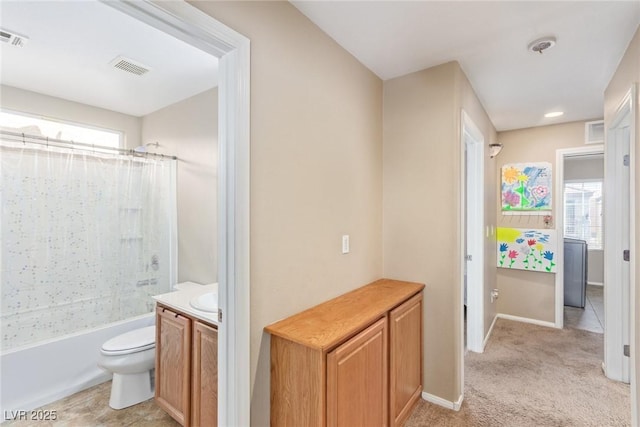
point(90, 408)
point(591, 318)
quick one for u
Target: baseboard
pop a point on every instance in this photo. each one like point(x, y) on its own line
point(458, 403)
point(526, 320)
point(442, 402)
point(595, 283)
point(486, 339)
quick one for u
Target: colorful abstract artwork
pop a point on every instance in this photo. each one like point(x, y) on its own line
point(526, 249)
point(526, 187)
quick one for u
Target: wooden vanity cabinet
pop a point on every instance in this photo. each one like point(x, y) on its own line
point(342, 363)
point(204, 395)
point(186, 376)
point(173, 364)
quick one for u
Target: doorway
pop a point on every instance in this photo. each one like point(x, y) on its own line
point(195, 27)
point(473, 239)
point(619, 308)
point(583, 240)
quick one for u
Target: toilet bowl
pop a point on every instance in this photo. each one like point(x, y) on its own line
point(131, 358)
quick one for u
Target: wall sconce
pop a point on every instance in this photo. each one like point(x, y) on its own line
point(494, 150)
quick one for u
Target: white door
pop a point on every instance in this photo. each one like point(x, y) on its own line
point(617, 243)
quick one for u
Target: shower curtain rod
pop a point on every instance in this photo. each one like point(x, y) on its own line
point(45, 140)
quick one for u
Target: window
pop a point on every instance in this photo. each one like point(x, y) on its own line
point(583, 212)
point(32, 125)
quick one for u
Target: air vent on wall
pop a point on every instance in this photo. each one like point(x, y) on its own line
point(594, 132)
point(130, 66)
point(13, 38)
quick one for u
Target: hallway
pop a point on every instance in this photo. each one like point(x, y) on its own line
point(533, 375)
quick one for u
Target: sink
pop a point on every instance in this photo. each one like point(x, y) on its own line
point(206, 302)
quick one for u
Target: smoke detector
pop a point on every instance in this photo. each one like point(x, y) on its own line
point(12, 38)
point(540, 45)
point(130, 66)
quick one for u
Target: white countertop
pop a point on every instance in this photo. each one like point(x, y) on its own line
point(179, 300)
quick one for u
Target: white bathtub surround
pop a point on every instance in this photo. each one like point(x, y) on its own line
point(36, 375)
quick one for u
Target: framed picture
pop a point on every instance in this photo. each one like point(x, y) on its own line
point(527, 249)
point(526, 187)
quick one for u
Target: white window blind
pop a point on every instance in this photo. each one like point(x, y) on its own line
point(583, 212)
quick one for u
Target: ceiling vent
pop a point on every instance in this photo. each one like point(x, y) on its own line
point(13, 38)
point(130, 66)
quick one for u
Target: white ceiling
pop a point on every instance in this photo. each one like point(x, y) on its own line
point(489, 39)
point(71, 44)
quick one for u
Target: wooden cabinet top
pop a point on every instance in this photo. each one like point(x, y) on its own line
point(326, 325)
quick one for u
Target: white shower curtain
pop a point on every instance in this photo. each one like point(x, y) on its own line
point(86, 239)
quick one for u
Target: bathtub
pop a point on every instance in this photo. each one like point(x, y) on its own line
point(35, 375)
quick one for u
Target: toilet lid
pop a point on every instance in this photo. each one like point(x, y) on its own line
point(131, 342)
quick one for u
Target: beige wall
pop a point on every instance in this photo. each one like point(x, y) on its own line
point(189, 130)
point(316, 170)
point(526, 293)
point(57, 108)
point(421, 209)
point(626, 75)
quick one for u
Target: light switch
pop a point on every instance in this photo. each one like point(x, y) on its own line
point(345, 244)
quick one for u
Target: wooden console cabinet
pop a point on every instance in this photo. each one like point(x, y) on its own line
point(186, 368)
point(355, 360)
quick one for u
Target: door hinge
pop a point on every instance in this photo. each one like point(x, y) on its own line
point(626, 350)
point(219, 315)
point(626, 160)
point(626, 255)
point(468, 258)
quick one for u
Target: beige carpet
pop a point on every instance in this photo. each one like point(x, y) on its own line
point(534, 376)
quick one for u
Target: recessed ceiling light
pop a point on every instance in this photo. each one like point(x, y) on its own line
point(554, 114)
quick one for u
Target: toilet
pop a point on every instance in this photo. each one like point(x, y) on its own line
point(131, 358)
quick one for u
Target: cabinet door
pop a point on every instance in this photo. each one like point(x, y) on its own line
point(405, 358)
point(204, 396)
point(357, 380)
point(173, 364)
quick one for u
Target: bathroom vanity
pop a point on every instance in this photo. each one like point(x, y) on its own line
point(353, 360)
point(186, 377)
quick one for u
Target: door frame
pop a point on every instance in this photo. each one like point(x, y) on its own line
point(472, 200)
point(558, 213)
point(616, 365)
point(201, 30)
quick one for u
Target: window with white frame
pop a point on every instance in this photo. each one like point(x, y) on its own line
point(38, 126)
point(583, 212)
